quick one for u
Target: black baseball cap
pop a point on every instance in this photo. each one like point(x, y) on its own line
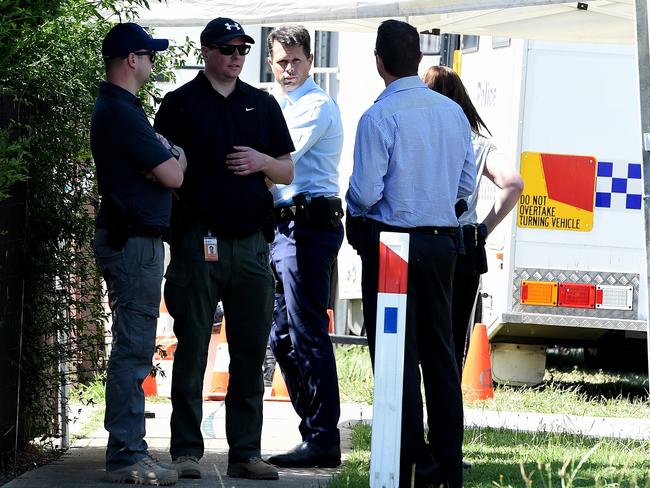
point(127, 38)
point(222, 30)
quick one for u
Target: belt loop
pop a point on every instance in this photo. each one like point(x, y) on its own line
point(460, 241)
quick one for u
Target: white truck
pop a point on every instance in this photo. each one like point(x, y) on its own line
point(568, 266)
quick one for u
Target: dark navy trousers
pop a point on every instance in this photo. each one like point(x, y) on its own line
point(302, 256)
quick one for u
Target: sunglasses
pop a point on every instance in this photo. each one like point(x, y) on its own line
point(151, 54)
point(229, 49)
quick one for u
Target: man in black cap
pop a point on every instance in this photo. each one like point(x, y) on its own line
point(136, 170)
point(236, 141)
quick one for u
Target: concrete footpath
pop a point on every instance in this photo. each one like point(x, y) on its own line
point(83, 464)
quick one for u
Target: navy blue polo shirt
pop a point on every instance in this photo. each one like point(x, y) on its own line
point(207, 125)
point(125, 148)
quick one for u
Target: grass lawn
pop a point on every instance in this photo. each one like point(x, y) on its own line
point(510, 459)
point(566, 389)
point(503, 458)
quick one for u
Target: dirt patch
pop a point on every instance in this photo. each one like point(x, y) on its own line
point(30, 458)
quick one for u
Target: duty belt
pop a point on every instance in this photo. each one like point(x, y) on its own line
point(426, 229)
point(318, 211)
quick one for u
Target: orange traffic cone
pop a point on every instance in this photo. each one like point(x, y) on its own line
point(477, 373)
point(279, 391)
point(330, 314)
point(149, 386)
point(220, 375)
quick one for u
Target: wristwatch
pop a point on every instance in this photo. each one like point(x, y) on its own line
point(173, 150)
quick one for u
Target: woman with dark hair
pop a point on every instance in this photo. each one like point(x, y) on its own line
point(492, 164)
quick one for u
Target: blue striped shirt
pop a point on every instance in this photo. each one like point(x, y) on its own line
point(413, 157)
point(315, 124)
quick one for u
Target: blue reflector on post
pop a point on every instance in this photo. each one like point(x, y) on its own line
point(390, 320)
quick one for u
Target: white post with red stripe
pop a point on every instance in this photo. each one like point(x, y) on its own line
point(389, 359)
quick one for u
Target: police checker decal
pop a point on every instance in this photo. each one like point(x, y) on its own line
point(558, 192)
point(619, 185)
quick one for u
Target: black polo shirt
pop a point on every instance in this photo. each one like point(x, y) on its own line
point(124, 148)
point(207, 125)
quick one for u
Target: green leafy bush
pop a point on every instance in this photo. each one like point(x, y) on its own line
point(50, 63)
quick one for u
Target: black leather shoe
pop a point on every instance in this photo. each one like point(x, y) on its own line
point(308, 455)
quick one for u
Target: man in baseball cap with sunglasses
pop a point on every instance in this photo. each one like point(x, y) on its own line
point(236, 140)
point(136, 170)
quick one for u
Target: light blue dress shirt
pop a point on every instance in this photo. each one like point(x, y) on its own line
point(314, 121)
point(413, 157)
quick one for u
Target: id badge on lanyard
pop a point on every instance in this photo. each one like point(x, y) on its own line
point(210, 251)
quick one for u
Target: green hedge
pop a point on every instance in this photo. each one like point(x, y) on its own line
point(50, 62)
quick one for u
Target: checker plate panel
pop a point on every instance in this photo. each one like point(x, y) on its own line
point(572, 321)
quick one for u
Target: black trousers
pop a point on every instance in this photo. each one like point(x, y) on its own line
point(466, 280)
point(302, 257)
point(428, 346)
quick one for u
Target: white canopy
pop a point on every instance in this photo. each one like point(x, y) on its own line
point(610, 21)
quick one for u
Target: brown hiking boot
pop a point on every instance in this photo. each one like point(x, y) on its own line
point(187, 467)
point(145, 472)
point(254, 469)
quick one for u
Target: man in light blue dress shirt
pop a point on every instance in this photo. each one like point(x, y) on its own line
point(308, 236)
point(413, 158)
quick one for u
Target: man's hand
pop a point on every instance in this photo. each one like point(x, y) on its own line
point(246, 160)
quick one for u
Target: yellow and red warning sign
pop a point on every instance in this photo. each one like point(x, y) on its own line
point(558, 192)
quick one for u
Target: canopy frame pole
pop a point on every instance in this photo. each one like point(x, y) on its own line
point(643, 59)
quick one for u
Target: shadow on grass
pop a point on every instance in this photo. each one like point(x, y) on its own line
point(569, 368)
point(609, 390)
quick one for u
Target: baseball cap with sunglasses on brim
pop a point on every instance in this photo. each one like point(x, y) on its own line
point(129, 37)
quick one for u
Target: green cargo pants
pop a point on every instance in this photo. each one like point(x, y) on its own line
point(242, 280)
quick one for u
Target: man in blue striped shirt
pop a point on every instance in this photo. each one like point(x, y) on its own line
point(413, 158)
point(307, 240)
